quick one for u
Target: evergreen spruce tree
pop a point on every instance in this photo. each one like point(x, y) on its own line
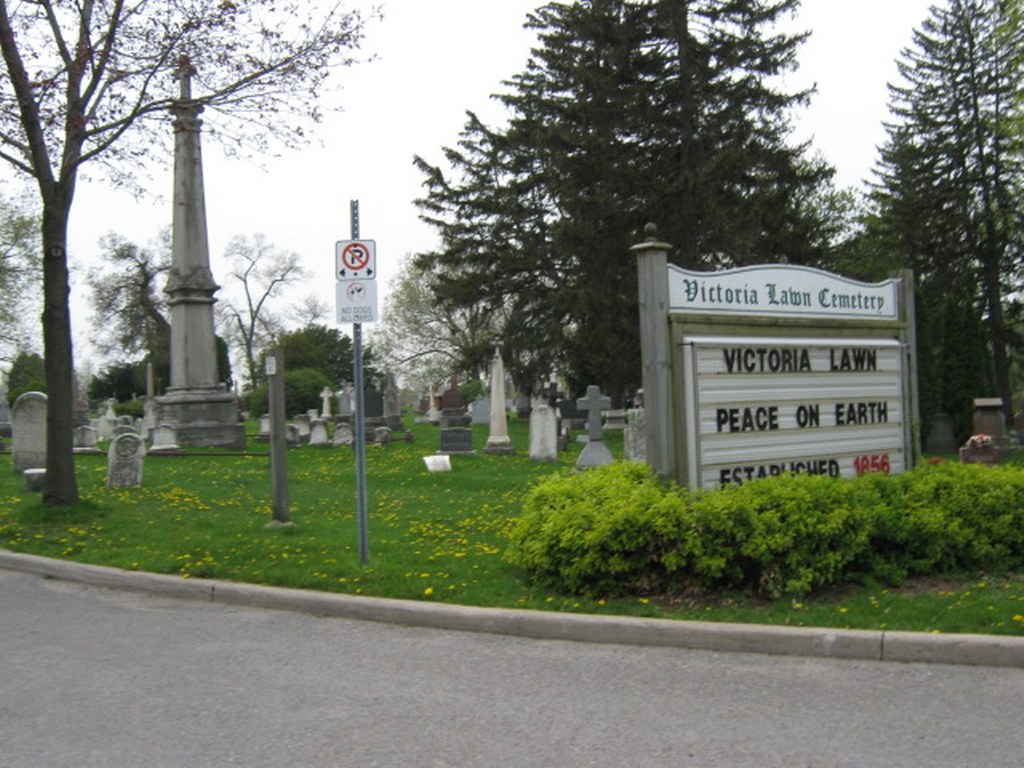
point(627, 112)
point(949, 193)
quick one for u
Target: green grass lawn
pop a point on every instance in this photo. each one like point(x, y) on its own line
point(433, 536)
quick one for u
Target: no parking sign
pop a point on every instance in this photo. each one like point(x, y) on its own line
point(356, 270)
point(355, 259)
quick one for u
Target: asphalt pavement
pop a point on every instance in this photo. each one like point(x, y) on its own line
point(98, 674)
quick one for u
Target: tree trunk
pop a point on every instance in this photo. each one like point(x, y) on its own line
point(61, 487)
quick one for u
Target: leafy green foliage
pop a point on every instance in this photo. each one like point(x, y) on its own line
point(626, 113)
point(590, 532)
point(617, 529)
point(302, 388)
point(27, 374)
point(948, 201)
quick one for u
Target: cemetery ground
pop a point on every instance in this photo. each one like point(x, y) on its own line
point(434, 536)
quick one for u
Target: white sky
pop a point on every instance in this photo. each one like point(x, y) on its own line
point(437, 59)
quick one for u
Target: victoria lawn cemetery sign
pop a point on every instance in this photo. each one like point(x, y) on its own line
point(760, 371)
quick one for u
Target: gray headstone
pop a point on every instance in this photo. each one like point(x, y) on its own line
point(614, 419)
point(456, 440)
point(344, 403)
point(318, 432)
point(480, 411)
point(165, 438)
point(35, 478)
point(571, 413)
point(85, 437)
point(635, 436)
point(523, 407)
point(988, 417)
point(343, 434)
point(373, 402)
point(941, 437)
point(148, 416)
point(390, 407)
point(28, 431)
point(5, 413)
point(301, 423)
point(543, 433)
point(105, 427)
point(124, 461)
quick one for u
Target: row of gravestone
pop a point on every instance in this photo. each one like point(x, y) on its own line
point(546, 434)
point(28, 446)
point(311, 429)
point(549, 431)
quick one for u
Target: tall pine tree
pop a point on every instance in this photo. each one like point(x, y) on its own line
point(627, 112)
point(948, 199)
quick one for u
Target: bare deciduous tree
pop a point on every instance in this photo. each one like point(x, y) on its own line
point(259, 271)
point(91, 82)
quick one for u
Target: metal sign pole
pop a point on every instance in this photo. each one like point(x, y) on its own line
point(360, 420)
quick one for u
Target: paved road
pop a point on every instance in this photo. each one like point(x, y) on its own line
point(96, 677)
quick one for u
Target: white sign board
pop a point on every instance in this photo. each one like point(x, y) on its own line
point(356, 301)
point(355, 260)
point(767, 406)
point(780, 291)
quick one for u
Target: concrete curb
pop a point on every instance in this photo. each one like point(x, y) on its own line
point(984, 650)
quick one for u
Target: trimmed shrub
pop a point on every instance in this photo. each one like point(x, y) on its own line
point(589, 533)
point(618, 529)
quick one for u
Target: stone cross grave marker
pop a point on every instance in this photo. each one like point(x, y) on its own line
point(84, 438)
point(595, 453)
point(325, 403)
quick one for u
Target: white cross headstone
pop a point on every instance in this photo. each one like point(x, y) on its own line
point(595, 453)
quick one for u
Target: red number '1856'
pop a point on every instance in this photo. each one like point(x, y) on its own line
point(876, 463)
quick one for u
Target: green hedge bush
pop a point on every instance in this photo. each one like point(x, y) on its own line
point(619, 529)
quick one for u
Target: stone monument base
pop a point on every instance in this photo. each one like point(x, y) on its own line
point(205, 418)
point(501, 445)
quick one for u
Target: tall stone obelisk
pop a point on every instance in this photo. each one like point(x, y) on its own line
point(196, 404)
